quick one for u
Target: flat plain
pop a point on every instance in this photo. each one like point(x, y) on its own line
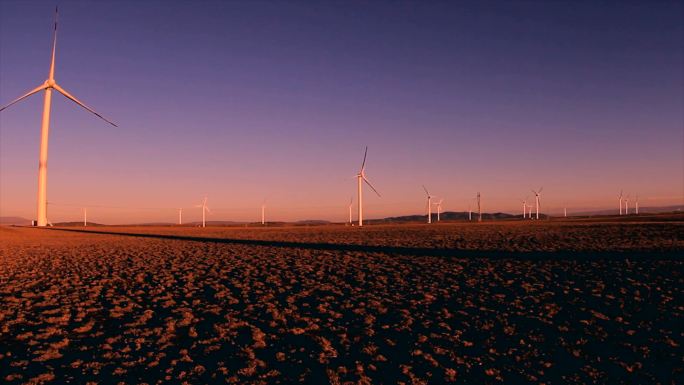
point(552, 302)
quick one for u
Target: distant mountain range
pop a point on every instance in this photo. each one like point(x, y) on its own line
point(446, 216)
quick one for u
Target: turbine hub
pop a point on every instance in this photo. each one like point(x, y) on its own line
point(50, 83)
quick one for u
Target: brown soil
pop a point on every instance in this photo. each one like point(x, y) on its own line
point(298, 304)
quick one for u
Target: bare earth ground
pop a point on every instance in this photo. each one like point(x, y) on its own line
point(550, 302)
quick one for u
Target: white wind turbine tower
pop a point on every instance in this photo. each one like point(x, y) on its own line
point(620, 201)
point(470, 212)
point(180, 216)
point(536, 199)
point(479, 207)
point(429, 204)
point(263, 213)
point(351, 203)
point(361, 177)
point(85, 217)
point(48, 86)
point(627, 205)
point(524, 202)
point(439, 208)
point(636, 205)
point(205, 210)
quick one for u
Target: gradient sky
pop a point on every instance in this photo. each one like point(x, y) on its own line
point(246, 101)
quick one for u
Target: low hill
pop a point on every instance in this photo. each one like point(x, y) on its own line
point(446, 216)
point(14, 221)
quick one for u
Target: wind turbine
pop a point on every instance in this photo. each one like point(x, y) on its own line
point(536, 199)
point(479, 208)
point(620, 201)
point(627, 205)
point(439, 208)
point(180, 216)
point(361, 177)
point(263, 213)
point(636, 205)
point(205, 210)
point(351, 203)
point(470, 212)
point(85, 217)
point(524, 202)
point(48, 86)
point(429, 204)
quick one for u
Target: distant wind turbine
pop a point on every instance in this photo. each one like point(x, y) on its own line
point(180, 216)
point(85, 217)
point(351, 203)
point(479, 207)
point(205, 210)
point(536, 199)
point(263, 213)
point(620, 201)
point(429, 204)
point(439, 208)
point(627, 205)
point(636, 205)
point(48, 86)
point(361, 177)
point(470, 212)
point(524, 202)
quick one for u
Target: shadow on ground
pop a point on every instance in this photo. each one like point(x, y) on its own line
point(673, 254)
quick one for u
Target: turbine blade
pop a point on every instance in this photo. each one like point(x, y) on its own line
point(364, 158)
point(33, 91)
point(371, 186)
point(540, 190)
point(426, 191)
point(73, 99)
point(51, 75)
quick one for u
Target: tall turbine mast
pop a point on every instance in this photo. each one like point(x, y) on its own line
point(85, 216)
point(429, 204)
point(205, 210)
point(361, 177)
point(439, 208)
point(636, 205)
point(536, 199)
point(351, 203)
point(479, 207)
point(627, 205)
point(263, 213)
point(180, 216)
point(620, 201)
point(49, 85)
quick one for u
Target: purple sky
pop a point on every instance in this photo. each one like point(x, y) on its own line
point(242, 101)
